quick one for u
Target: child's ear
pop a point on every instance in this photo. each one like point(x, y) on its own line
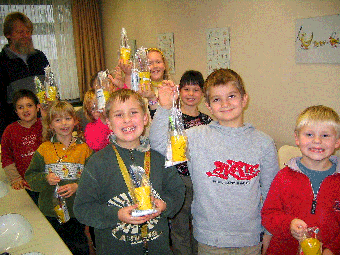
point(209, 108)
point(296, 136)
point(108, 123)
point(146, 119)
point(337, 143)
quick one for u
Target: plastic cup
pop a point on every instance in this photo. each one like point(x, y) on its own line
point(125, 54)
point(143, 197)
point(311, 246)
point(178, 146)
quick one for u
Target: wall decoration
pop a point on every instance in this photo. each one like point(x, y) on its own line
point(218, 48)
point(167, 46)
point(317, 40)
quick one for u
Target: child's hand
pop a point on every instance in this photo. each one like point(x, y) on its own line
point(327, 252)
point(167, 92)
point(52, 179)
point(20, 184)
point(67, 190)
point(125, 67)
point(298, 228)
point(124, 215)
point(147, 91)
point(160, 206)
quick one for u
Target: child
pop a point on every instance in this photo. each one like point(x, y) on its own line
point(21, 139)
point(231, 165)
point(158, 73)
point(191, 93)
point(60, 161)
point(96, 132)
point(103, 200)
point(306, 193)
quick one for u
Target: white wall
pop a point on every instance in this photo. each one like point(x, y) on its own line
point(262, 50)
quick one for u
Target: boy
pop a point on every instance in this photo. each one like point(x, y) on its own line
point(306, 193)
point(103, 200)
point(21, 139)
point(231, 165)
point(191, 93)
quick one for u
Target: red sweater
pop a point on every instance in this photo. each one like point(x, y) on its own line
point(18, 145)
point(97, 135)
point(290, 196)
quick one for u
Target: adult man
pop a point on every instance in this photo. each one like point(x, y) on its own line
point(19, 64)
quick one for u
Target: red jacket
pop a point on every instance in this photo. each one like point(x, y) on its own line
point(290, 196)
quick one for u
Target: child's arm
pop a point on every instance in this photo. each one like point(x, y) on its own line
point(274, 219)
point(160, 124)
point(35, 174)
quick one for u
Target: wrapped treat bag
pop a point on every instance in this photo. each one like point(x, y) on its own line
point(134, 76)
point(51, 89)
point(142, 64)
point(60, 207)
point(102, 89)
point(40, 90)
point(125, 50)
point(310, 245)
point(141, 191)
point(177, 142)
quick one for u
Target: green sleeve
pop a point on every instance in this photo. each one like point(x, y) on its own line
point(35, 174)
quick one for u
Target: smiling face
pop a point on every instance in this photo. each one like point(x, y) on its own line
point(21, 38)
point(127, 121)
point(63, 126)
point(317, 142)
point(227, 104)
point(156, 65)
point(191, 94)
point(27, 111)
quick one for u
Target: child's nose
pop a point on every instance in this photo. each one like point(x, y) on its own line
point(317, 139)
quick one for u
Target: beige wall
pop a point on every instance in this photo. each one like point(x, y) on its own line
point(262, 50)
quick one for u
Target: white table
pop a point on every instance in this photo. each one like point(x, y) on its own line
point(45, 239)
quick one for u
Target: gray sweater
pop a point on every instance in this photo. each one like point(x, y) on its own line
point(231, 169)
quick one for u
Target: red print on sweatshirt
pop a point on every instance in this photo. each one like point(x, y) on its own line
point(239, 170)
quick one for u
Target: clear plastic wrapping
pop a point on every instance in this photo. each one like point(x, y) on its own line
point(310, 245)
point(125, 50)
point(51, 89)
point(177, 142)
point(60, 207)
point(142, 67)
point(141, 191)
point(102, 89)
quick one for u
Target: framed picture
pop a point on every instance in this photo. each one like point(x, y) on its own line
point(317, 40)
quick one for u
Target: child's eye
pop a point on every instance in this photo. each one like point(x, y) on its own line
point(118, 115)
point(216, 100)
point(232, 96)
point(309, 134)
point(326, 135)
point(68, 118)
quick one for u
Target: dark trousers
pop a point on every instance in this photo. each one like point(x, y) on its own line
point(73, 235)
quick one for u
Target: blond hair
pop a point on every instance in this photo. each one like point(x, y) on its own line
point(222, 77)
point(316, 114)
point(89, 97)
point(59, 108)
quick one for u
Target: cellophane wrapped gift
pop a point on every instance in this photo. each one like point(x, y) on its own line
point(310, 245)
point(40, 91)
point(60, 207)
point(142, 65)
point(51, 89)
point(125, 50)
point(177, 142)
point(141, 191)
point(102, 89)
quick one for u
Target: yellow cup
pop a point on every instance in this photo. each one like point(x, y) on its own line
point(311, 246)
point(60, 213)
point(178, 146)
point(41, 97)
point(52, 93)
point(143, 197)
point(125, 54)
point(144, 80)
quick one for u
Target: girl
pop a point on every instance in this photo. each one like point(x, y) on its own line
point(158, 72)
point(60, 161)
point(96, 132)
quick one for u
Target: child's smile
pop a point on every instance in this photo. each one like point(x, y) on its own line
point(127, 121)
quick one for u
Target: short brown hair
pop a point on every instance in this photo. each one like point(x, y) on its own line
point(11, 18)
point(222, 77)
point(89, 97)
point(123, 95)
point(316, 114)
